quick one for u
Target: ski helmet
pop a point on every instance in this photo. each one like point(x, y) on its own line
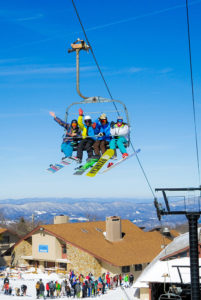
point(87, 118)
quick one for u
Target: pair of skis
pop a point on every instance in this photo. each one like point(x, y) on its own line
point(96, 165)
point(104, 159)
point(53, 168)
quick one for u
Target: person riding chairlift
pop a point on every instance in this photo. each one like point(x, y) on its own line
point(103, 129)
point(88, 136)
point(119, 132)
point(71, 137)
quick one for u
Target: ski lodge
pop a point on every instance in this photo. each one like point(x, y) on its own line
point(114, 245)
point(7, 241)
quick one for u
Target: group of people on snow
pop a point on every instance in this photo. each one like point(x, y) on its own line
point(94, 137)
point(80, 286)
point(18, 291)
point(73, 285)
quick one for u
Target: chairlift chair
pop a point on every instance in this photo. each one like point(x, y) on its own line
point(77, 46)
point(170, 296)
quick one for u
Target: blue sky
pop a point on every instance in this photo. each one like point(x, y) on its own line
point(142, 49)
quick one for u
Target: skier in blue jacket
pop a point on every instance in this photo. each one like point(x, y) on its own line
point(104, 137)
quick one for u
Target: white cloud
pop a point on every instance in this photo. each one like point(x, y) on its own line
point(31, 69)
point(34, 17)
point(135, 70)
point(165, 71)
point(4, 61)
point(19, 16)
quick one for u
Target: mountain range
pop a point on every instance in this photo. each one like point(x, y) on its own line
point(141, 212)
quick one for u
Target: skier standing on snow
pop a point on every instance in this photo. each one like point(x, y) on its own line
point(41, 289)
point(119, 132)
point(24, 289)
point(37, 289)
point(72, 136)
point(126, 284)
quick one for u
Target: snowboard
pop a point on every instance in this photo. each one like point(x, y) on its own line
point(58, 166)
point(89, 164)
point(54, 168)
point(120, 161)
point(100, 163)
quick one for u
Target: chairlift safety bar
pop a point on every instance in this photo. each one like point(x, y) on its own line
point(98, 99)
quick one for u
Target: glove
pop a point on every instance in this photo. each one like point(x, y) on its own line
point(52, 114)
point(101, 134)
point(80, 112)
point(112, 124)
point(93, 125)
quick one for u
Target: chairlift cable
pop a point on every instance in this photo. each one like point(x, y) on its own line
point(96, 62)
point(192, 91)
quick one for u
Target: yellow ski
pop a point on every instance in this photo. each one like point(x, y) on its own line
point(104, 158)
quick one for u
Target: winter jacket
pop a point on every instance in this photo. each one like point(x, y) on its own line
point(42, 287)
point(87, 131)
point(120, 131)
point(51, 285)
point(104, 129)
point(37, 285)
point(69, 130)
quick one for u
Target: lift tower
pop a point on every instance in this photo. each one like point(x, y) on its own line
point(192, 216)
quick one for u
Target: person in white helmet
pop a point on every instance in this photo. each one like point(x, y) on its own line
point(119, 132)
point(88, 136)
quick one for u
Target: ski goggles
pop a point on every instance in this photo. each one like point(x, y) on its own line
point(87, 121)
point(103, 121)
point(119, 121)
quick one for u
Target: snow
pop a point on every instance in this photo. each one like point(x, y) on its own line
point(81, 219)
point(161, 268)
point(156, 270)
point(40, 212)
point(29, 279)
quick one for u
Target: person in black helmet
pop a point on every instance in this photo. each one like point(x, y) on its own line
point(71, 137)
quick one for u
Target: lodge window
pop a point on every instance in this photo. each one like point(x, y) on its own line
point(5, 239)
point(138, 267)
point(63, 266)
point(64, 250)
point(125, 269)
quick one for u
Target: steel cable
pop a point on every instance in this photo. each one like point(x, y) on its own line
point(192, 91)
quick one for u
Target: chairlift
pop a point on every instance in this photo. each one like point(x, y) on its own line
point(170, 296)
point(77, 46)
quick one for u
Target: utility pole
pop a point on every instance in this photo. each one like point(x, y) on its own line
point(192, 217)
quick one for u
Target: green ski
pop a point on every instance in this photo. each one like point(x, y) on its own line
point(88, 165)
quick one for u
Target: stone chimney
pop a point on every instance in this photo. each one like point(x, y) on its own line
point(61, 219)
point(113, 229)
